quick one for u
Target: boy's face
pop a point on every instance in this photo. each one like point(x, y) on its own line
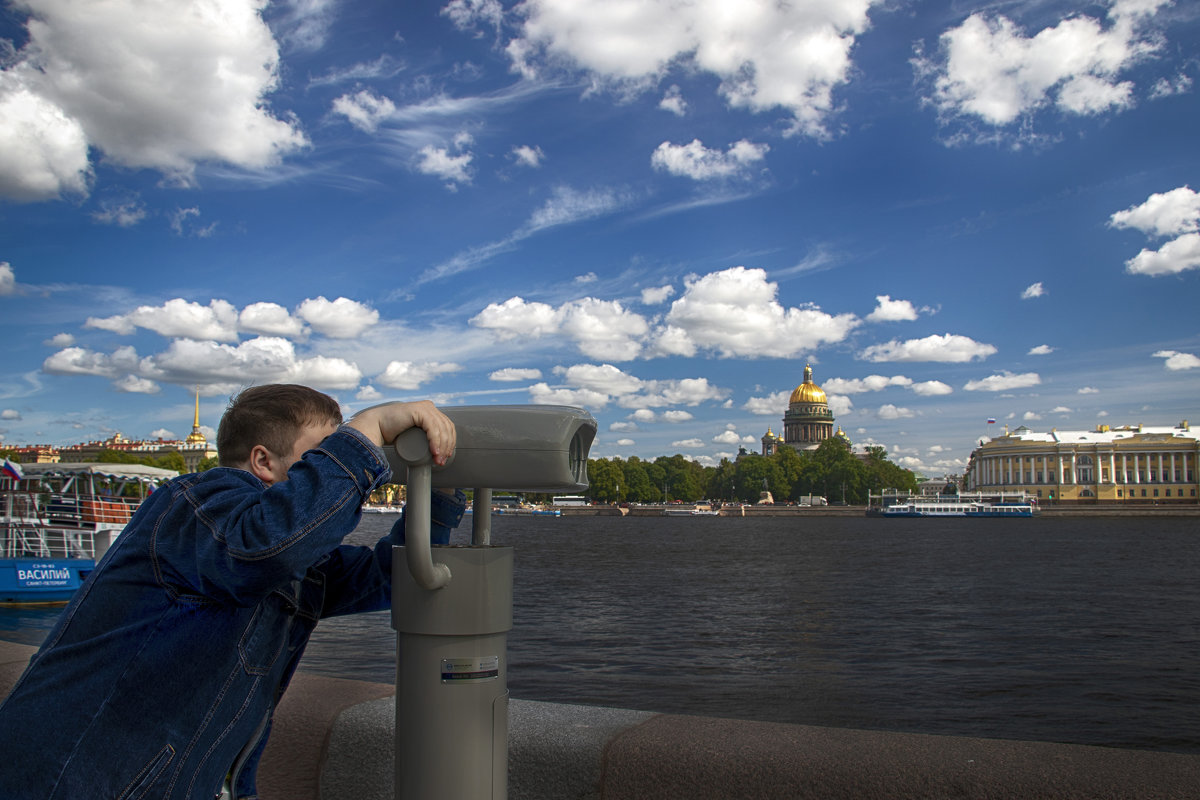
point(310, 436)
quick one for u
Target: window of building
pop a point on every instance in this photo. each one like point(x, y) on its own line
point(1156, 492)
point(1143, 492)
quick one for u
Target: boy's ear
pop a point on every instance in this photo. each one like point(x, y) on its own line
point(262, 464)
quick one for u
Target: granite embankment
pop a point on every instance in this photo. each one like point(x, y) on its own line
point(332, 740)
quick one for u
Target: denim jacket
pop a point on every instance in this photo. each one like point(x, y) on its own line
point(161, 675)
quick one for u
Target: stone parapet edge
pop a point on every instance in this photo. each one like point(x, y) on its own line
point(332, 740)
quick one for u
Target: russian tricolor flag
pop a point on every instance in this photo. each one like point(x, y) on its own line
point(13, 470)
point(991, 420)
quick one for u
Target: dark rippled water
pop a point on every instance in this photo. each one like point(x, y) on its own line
point(1071, 630)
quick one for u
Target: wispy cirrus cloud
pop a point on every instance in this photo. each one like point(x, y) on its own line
point(565, 206)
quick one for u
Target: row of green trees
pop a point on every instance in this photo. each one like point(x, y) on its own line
point(831, 471)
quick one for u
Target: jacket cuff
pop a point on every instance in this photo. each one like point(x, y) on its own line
point(361, 458)
point(447, 510)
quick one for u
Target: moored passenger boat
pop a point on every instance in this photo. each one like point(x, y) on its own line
point(58, 521)
point(1005, 504)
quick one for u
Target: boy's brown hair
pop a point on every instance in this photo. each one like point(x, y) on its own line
point(272, 415)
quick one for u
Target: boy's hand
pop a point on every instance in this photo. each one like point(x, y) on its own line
point(382, 424)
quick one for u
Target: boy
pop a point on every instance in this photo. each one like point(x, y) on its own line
point(161, 675)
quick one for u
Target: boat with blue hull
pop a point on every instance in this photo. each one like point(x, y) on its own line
point(59, 519)
point(1016, 504)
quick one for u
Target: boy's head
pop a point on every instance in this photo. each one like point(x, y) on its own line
point(273, 418)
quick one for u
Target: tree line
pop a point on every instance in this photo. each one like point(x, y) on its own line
point(831, 471)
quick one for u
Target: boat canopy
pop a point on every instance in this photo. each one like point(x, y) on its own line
point(125, 472)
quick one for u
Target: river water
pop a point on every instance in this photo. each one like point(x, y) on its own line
point(1070, 630)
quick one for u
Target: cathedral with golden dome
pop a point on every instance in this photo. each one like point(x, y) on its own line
point(807, 421)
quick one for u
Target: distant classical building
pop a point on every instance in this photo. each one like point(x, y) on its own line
point(1132, 464)
point(36, 453)
point(85, 452)
point(807, 421)
point(194, 449)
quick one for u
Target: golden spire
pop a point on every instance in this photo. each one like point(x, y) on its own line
point(196, 436)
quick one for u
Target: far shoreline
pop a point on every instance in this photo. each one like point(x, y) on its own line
point(765, 511)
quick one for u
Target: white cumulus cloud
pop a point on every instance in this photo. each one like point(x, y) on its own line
point(1162, 214)
point(889, 310)
point(342, 318)
point(1177, 361)
point(270, 319)
point(1170, 214)
point(603, 328)
point(411, 375)
point(695, 161)
point(657, 295)
point(871, 383)
point(158, 86)
point(136, 385)
point(515, 374)
point(948, 348)
point(528, 156)
point(770, 406)
point(8, 279)
point(931, 388)
point(364, 109)
point(1004, 381)
point(672, 100)
point(788, 56)
point(889, 411)
point(452, 164)
point(176, 318)
point(736, 312)
point(991, 70)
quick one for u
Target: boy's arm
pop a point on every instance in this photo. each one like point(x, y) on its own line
point(360, 579)
point(257, 540)
point(382, 424)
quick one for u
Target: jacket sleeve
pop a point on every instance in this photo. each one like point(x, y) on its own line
point(360, 578)
point(252, 540)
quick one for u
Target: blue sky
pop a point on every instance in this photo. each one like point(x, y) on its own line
point(658, 210)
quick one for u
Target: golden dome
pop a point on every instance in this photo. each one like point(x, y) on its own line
point(808, 392)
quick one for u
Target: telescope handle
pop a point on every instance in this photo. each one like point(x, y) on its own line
point(413, 447)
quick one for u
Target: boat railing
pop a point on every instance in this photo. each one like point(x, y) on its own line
point(47, 524)
point(23, 540)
